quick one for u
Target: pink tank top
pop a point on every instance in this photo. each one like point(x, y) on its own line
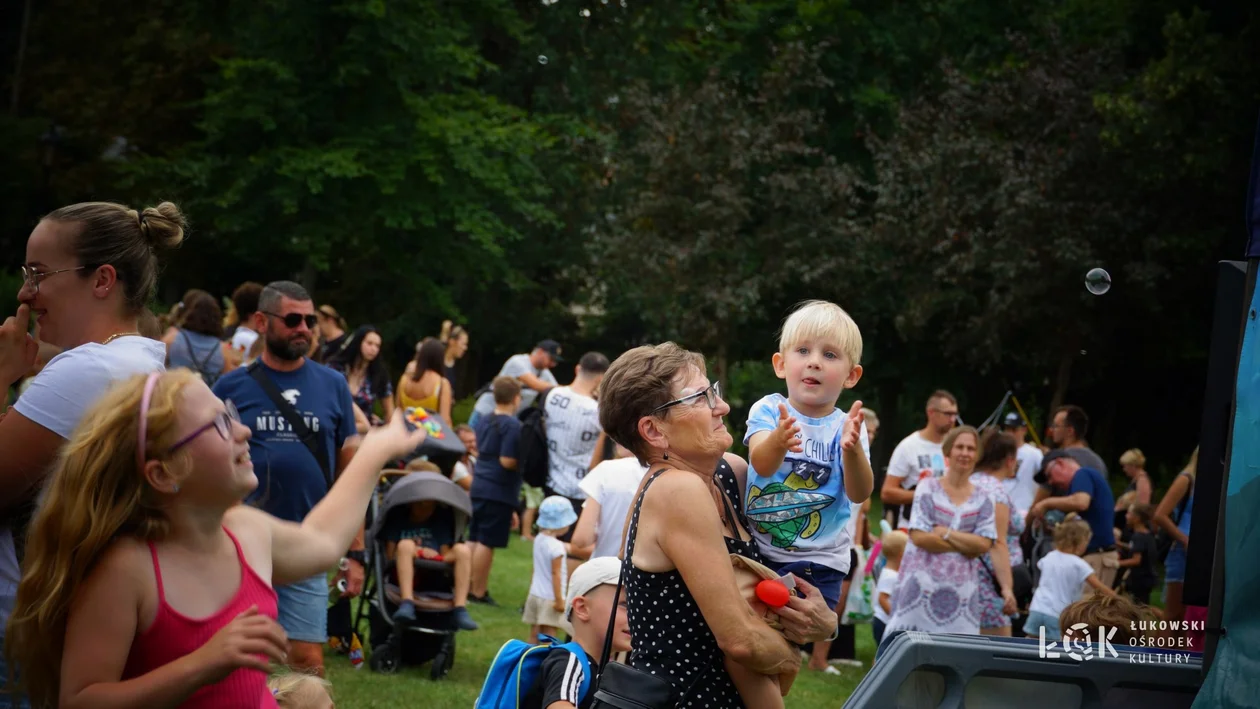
point(174, 635)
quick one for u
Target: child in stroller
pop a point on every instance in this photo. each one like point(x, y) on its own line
point(420, 570)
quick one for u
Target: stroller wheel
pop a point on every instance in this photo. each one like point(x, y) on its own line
point(441, 665)
point(384, 659)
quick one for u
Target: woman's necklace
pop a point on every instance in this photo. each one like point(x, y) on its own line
point(117, 335)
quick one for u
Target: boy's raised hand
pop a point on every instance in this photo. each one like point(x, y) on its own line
point(785, 434)
point(851, 434)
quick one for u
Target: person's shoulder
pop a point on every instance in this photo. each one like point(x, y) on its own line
point(910, 441)
point(561, 675)
point(233, 379)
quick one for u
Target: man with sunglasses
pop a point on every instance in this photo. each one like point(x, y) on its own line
point(304, 435)
point(917, 455)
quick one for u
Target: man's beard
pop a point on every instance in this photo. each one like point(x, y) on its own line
point(289, 350)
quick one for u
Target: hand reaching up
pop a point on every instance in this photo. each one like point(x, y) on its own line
point(851, 434)
point(394, 440)
point(787, 432)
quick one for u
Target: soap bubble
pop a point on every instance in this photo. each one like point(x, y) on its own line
point(1097, 281)
point(542, 59)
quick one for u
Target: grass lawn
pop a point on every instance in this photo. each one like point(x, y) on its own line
point(411, 686)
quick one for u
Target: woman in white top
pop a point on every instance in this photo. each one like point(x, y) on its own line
point(90, 270)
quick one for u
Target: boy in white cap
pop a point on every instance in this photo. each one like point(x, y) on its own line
point(545, 605)
point(587, 607)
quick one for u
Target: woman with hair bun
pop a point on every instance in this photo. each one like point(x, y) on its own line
point(90, 271)
point(455, 338)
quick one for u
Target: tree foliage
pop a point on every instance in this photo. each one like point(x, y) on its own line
point(613, 171)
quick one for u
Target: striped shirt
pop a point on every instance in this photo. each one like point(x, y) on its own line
point(559, 680)
point(572, 432)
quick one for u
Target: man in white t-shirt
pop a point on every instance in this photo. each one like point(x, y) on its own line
point(609, 490)
point(1022, 488)
point(532, 370)
point(917, 455)
point(573, 430)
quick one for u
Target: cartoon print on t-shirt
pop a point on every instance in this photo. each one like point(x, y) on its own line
point(789, 510)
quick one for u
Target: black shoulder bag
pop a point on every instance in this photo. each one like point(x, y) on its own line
point(620, 686)
point(304, 432)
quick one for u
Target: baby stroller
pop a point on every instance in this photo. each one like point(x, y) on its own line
point(431, 637)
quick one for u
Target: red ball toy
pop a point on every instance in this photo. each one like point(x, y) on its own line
point(773, 593)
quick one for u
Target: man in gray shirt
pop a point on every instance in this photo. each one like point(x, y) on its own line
point(1068, 432)
point(532, 370)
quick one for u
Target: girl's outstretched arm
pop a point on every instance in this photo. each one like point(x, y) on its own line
point(301, 551)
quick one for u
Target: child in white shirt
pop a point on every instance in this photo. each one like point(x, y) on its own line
point(544, 609)
point(894, 545)
point(1062, 573)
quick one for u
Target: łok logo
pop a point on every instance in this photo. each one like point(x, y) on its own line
point(1077, 643)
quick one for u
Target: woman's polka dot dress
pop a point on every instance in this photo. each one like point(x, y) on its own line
point(671, 638)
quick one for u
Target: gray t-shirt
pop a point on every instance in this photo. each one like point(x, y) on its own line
point(1088, 459)
point(515, 367)
point(66, 388)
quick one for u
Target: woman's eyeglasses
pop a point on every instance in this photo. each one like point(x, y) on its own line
point(292, 320)
point(711, 396)
point(32, 277)
point(222, 424)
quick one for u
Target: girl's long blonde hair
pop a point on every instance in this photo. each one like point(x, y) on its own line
point(95, 493)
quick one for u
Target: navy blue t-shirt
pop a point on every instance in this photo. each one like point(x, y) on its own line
point(1099, 514)
point(290, 481)
point(497, 436)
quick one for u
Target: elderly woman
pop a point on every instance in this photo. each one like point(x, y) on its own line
point(686, 612)
point(952, 525)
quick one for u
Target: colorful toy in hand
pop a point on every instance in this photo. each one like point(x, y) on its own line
point(775, 592)
point(419, 418)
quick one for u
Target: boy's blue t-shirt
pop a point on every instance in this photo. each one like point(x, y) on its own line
point(497, 436)
point(1101, 511)
point(800, 512)
point(290, 481)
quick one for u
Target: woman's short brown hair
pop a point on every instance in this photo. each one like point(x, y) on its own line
point(948, 444)
point(636, 384)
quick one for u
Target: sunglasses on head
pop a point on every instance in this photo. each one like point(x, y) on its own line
point(292, 320)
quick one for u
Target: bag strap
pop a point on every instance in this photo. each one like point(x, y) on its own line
point(304, 432)
point(201, 362)
point(625, 565)
point(876, 548)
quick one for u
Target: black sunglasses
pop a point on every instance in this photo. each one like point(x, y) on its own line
point(292, 320)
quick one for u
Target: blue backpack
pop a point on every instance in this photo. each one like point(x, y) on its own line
point(516, 668)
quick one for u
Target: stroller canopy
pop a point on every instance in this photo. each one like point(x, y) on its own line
point(423, 487)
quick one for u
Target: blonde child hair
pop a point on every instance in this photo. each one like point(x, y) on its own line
point(821, 320)
point(1133, 456)
point(94, 495)
point(298, 690)
point(1071, 534)
point(894, 544)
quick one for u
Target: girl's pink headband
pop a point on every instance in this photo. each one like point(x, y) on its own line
point(149, 385)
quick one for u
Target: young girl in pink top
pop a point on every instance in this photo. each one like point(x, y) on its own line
point(146, 582)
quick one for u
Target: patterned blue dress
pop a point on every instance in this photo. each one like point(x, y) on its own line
point(940, 593)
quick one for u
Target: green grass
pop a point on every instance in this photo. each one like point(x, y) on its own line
point(509, 582)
